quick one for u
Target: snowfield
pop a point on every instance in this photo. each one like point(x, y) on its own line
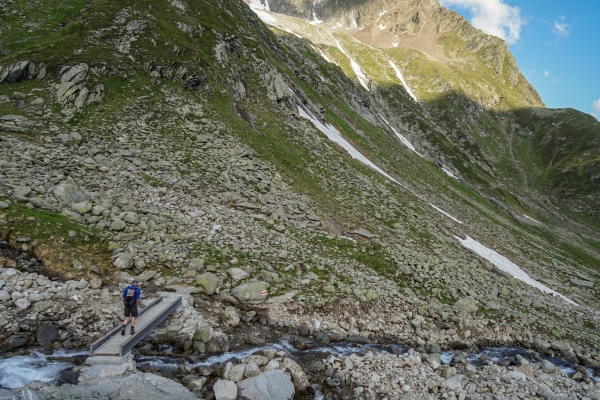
point(445, 213)
point(399, 75)
point(508, 266)
point(362, 78)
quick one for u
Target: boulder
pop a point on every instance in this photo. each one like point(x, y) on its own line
point(271, 385)
point(236, 373)
point(196, 264)
point(251, 370)
point(203, 333)
point(46, 334)
point(548, 367)
point(67, 193)
point(219, 343)
point(124, 261)
point(582, 283)
point(466, 304)
point(22, 304)
point(117, 225)
point(225, 390)
point(299, 378)
point(251, 292)
point(4, 295)
point(13, 342)
point(457, 382)
point(237, 274)
point(209, 282)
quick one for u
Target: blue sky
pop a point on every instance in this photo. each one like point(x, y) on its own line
point(556, 44)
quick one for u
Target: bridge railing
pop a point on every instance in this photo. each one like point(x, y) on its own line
point(130, 343)
point(94, 346)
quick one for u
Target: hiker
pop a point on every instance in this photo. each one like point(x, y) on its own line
point(131, 298)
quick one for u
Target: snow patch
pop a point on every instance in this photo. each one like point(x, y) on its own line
point(288, 30)
point(403, 139)
point(265, 16)
point(399, 75)
point(324, 55)
point(508, 266)
point(362, 78)
point(382, 27)
point(445, 213)
point(258, 4)
point(395, 44)
point(450, 174)
point(335, 136)
point(383, 13)
point(528, 217)
point(315, 21)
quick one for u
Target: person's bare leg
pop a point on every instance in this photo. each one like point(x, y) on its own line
point(132, 321)
point(127, 320)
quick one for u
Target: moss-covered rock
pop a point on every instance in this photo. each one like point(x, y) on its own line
point(253, 291)
point(209, 282)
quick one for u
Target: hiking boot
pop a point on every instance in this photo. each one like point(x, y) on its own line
point(123, 331)
point(132, 331)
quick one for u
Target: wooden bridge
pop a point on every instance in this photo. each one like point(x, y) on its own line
point(113, 344)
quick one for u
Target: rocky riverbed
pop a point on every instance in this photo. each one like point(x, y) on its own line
point(279, 371)
point(58, 314)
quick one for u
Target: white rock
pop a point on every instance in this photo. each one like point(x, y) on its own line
point(225, 390)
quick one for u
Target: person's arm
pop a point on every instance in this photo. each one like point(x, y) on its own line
point(123, 295)
point(138, 295)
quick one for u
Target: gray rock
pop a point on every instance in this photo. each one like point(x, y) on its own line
point(46, 334)
point(251, 370)
point(237, 274)
point(251, 292)
point(582, 283)
point(4, 205)
point(124, 261)
point(117, 225)
point(4, 295)
point(548, 367)
point(21, 191)
point(196, 264)
point(35, 297)
point(69, 194)
point(364, 233)
point(209, 282)
point(236, 373)
point(466, 304)
point(39, 202)
point(22, 304)
point(511, 376)
point(77, 265)
point(271, 385)
point(81, 207)
point(13, 342)
point(457, 382)
point(131, 218)
point(225, 390)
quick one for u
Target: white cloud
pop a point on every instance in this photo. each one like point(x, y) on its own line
point(493, 17)
point(546, 74)
point(561, 28)
point(596, 107)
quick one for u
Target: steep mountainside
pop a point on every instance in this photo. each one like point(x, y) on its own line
point(190, 145)
point(470, 86)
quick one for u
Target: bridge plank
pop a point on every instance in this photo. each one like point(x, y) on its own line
point(112, 346)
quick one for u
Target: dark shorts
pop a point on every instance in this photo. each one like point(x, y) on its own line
point(131, 311)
